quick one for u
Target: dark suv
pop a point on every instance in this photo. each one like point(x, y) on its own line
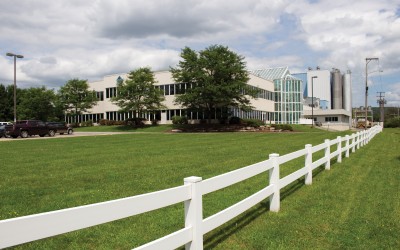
point(25, 128)
point(60, 127)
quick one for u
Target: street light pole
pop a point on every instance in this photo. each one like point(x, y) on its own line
point(15, 82)
point(312, 99)
point(367, 60)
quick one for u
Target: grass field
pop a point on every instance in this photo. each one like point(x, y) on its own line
point(340, 209)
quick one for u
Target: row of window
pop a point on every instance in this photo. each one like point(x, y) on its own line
point(287, 117)
point(84, 118)
point(180, 88)
point(331, 119)
point(192, 115)
point(294, 106)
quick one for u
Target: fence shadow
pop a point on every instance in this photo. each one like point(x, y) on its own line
point(224, 232)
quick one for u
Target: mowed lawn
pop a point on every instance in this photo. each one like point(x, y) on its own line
point(355, 204)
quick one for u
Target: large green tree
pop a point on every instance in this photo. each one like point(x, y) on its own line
point(37, 103)
point(5, 106)
point(217, 78)
point(76, 97)
point(138, 93)
point(7, 102)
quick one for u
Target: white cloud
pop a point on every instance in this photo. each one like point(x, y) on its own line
point(89, 39)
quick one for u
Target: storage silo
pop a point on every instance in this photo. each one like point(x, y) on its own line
point(347, 105)
point(337, 89)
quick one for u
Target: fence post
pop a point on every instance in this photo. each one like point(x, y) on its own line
point(327, 154)
point(275, 198)
point(308, 162)
point(194, 213)
point(363, 138)
point(369, 135)
point(347, 146)
point(358, 140)
point(353, 140)
point(339, 149)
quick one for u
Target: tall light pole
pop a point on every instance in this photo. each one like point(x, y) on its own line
point(15, 82)
point(367, 60)
point(312, 99)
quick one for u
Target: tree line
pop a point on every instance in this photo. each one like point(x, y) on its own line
point(216, 75)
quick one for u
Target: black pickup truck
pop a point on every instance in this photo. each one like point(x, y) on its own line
point(25, 128)
point(60, 127)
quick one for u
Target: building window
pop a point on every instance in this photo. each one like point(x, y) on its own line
point(111, 92)
point(100, 95)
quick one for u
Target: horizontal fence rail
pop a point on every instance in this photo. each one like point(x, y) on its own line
point(24, 229)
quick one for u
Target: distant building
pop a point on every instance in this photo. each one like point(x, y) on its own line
point(288, 94)
point(331, 91)
point(107, 88)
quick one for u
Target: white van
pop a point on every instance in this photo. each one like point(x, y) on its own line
point(5, 123)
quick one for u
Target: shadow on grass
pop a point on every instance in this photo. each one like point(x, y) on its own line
point(132, 128)
point(224, 232)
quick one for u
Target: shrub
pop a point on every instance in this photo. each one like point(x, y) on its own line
point(154, 122)
point(119, 122)
point(110, 122)
point(103, 122)
point(87, 123)
point(179, 120)
point(234, 120)
point(393, 123)
point(252, 122)
point(136, 122)
point(283, 126)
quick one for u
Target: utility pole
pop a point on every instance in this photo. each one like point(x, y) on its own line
point(381, 101)
point(367, 60)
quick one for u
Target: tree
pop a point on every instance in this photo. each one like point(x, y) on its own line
point(217, 78)
point(76, 97)
point(37, 103)
point(138, 93)
point(7, 102)
point(4, 104)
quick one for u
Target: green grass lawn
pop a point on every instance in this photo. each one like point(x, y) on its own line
point(339, 210)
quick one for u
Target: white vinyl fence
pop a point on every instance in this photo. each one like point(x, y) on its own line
point(34, 227)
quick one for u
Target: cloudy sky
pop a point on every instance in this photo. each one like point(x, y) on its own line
point(64, 39)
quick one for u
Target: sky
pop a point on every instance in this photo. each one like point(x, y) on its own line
point(65, 39)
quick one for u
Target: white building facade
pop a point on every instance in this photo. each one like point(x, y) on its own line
point(263, 105)
point(327, 97)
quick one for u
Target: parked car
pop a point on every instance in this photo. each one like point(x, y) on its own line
point(2, 131)
point(25, 128)
point(60, 127)
point(5, 123)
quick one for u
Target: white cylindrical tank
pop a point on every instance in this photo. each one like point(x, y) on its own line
point(347, 105)
point(337, 89)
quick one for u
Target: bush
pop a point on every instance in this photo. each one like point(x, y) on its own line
point(179, 120)
point(154, 122)
point(103, 122)
point(283, 126)
point(234, 120)
point(87, 123)
point(392, 123)
point(110, 122)
point(252, 122)
point(136, 122)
